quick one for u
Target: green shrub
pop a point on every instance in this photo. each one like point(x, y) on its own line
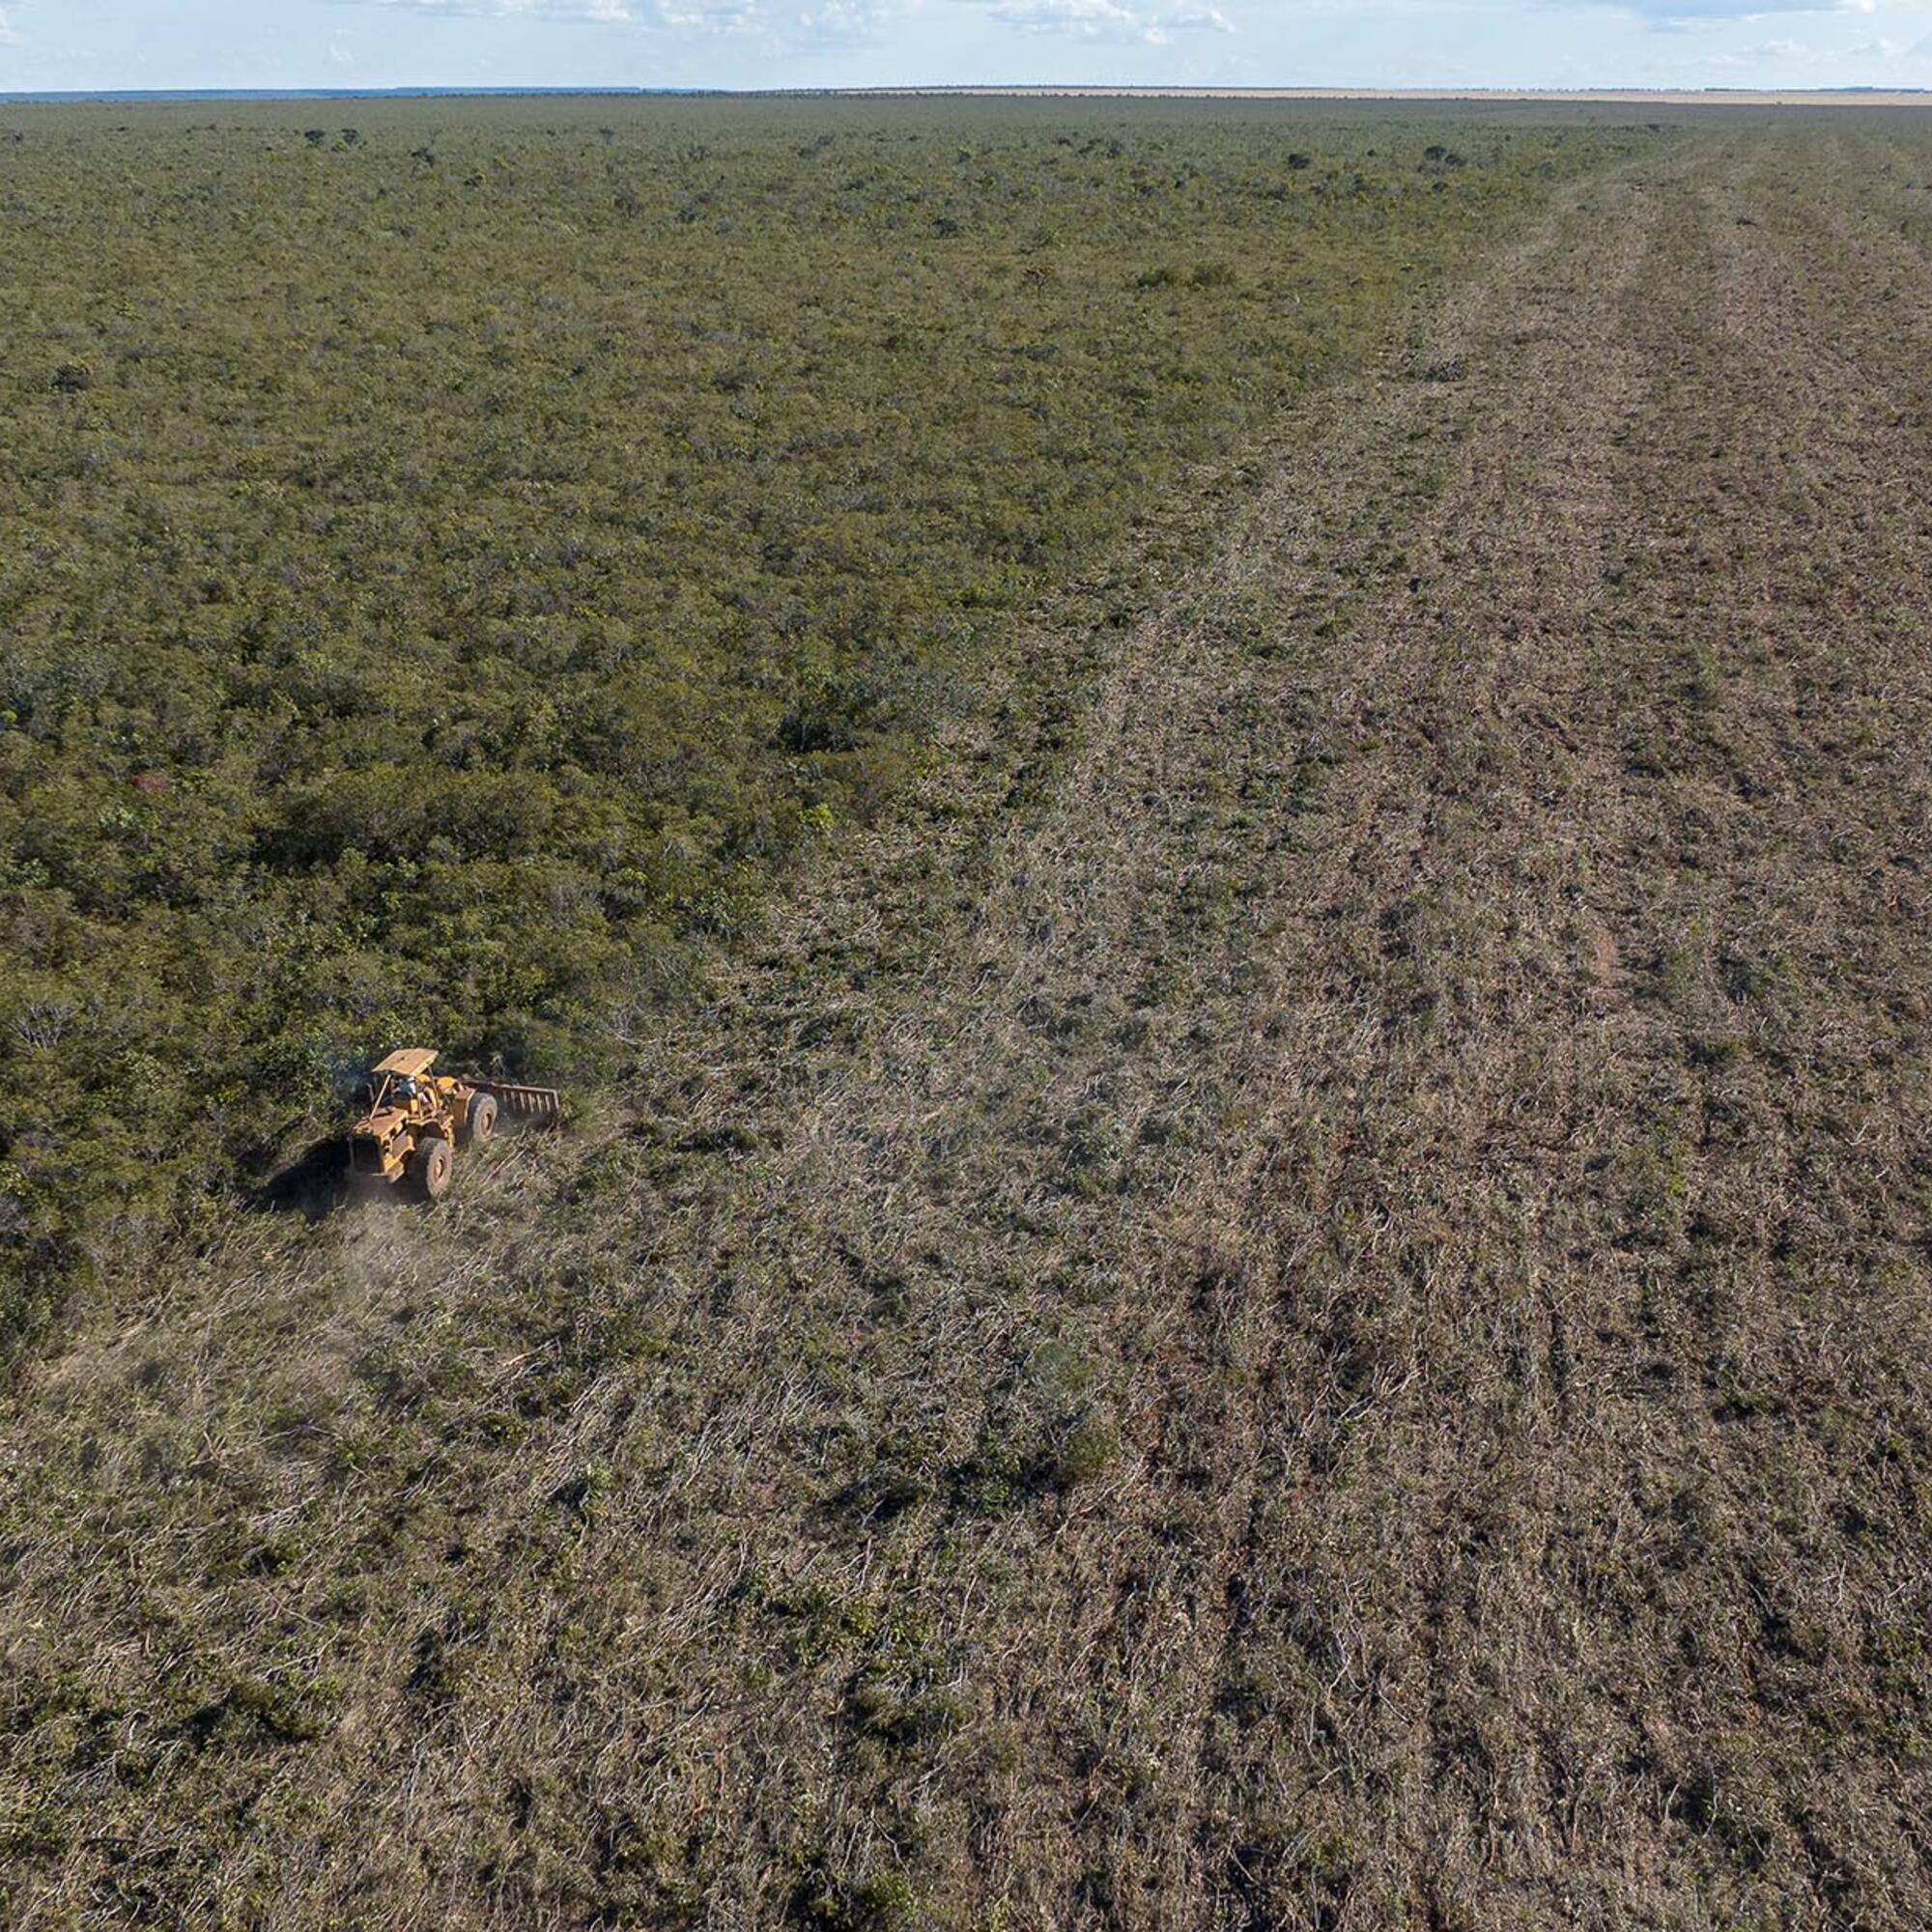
point(446, 582)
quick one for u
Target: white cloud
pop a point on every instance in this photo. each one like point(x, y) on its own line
point(848, 23)
point(7, 32)
point(840, 23)
point(1107, 19)
point(608, 13)
point(780, 27)
point(709, 16)
point(1063, 16)
point(1689, 14)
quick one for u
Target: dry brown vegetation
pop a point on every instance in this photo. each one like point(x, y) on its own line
point(1300, 1298)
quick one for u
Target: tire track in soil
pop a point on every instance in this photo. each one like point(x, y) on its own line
point(1673, 780)
point(1461, 868)
point(1572, 386)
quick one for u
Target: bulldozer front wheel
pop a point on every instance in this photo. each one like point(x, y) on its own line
point(482, 1118)
point(430, 1168)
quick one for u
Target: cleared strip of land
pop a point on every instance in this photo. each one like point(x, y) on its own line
point(1304, 1300)
point(1422, 96)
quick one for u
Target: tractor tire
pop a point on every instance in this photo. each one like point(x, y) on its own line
point(482, 1118)
point(429, 1166)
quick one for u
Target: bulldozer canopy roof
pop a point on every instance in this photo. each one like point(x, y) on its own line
point(408, 1061)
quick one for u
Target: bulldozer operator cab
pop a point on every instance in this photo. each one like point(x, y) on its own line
point(400, 1080)
point(388, 1092)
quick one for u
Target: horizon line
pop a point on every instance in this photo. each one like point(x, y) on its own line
point(1042, 90)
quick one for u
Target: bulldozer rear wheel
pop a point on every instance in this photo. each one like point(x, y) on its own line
point(482, 1118)
point(430, 1168)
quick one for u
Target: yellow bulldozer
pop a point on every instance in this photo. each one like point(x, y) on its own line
point(416, 1120)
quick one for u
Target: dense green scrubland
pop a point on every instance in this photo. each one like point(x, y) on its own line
point(452, 560)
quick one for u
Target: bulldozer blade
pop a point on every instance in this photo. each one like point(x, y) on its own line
point(529, 1103)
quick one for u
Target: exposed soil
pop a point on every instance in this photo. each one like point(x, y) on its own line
point(1305, 1301)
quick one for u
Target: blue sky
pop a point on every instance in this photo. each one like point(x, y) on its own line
point(127, 44)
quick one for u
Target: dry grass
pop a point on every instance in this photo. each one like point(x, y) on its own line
point(1301, 1301)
